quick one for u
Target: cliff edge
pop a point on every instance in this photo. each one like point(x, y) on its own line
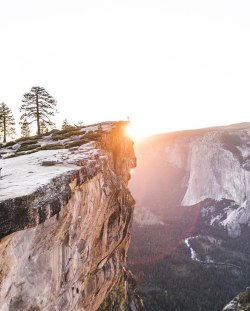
point(65, 218)
point(240, 303)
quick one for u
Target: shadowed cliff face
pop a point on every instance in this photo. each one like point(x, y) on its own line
point(71, 253)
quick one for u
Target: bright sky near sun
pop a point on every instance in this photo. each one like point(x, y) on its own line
point(168, 65)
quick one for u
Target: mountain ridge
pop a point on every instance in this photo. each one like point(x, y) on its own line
point(195, 183)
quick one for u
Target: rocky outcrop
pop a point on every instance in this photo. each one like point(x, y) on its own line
point(219, 171)
point(240, 303)
point(65, 228)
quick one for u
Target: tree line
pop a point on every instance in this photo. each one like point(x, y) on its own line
point(37, 106)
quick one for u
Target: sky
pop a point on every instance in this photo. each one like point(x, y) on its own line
point(168, 65)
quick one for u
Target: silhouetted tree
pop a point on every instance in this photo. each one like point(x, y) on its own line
point(7, 122)
point(38, 105)
point(25, 128)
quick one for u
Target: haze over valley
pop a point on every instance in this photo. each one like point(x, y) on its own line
point(190, 247)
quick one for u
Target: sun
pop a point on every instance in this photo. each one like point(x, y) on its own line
point(142, 129)
point(138, 131)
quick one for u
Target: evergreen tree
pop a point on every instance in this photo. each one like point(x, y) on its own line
point(7, 122)
point(25, 128)
point(38, 105)
point(66, 125)
point(44, 128)
point(80, 123)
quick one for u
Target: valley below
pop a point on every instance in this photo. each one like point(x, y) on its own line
point(190, 245)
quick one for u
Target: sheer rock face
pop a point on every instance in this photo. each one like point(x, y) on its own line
point(71, 253)
point(208, 169)
point(218, 166)
point(216, 163)
point(215, 173)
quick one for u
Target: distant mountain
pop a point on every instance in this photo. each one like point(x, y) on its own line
point(190, 247)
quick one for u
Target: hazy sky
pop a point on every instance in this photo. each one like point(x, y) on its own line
point(168, 65)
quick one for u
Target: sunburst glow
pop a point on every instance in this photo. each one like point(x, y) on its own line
point(139, 131)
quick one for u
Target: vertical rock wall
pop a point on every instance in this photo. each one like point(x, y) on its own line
point(76, 259)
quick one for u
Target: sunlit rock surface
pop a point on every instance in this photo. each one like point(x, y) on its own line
point(218, 162)
point(65, 228)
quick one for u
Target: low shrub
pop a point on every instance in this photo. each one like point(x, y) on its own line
point(28, 147)
point(76, 143)
point(52, 147)
point(92, 135)
point(9, 144)
point(35, 137)
point(66, 135)
point(28, 142)
point(244, 297)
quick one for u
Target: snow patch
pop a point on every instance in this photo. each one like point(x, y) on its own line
point(216, 219)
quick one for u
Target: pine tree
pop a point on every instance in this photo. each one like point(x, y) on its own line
point(7, 122)
point(66, 125)
point(80, 123)
point(38, 105)
point(25, 128)
point(43, 127)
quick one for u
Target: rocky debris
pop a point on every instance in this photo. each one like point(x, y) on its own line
point(16, 146)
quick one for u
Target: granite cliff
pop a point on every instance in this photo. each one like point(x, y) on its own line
point(192, 221)
point(65, 218)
